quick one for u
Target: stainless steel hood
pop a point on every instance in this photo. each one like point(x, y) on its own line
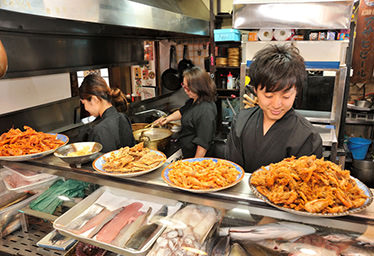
point(292, 14)
point(53, 36)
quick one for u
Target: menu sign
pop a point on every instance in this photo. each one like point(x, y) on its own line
point(363, 54)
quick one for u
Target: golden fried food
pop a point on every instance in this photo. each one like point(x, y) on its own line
point(84, 151)
point(18, 143)
point(205, 174)
point(135, 159)
point(309, 184)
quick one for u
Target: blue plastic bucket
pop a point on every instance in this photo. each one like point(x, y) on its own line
point(359, 147)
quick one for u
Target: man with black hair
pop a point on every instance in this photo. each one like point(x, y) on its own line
point(272, 131)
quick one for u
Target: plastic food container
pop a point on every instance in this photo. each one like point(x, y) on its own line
point(224, 35)
point(27, 174)
point(15, 182)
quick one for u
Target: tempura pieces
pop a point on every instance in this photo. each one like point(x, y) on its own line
point(135, 159)
point(205, 174)
point(309, 184)
point(18, 143)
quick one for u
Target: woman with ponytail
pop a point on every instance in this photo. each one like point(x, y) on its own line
point(111, 128)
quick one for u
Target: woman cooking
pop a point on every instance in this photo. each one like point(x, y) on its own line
point(111, 129)
point(198, 115)
point(272, 131)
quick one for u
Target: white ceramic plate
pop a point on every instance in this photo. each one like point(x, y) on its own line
point(62, 137)
point(98, 166)
point(165, 175)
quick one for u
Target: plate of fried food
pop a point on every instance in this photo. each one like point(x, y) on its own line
point(17, 145)
point(311, 187)
point(129, 161)
point(202, 175)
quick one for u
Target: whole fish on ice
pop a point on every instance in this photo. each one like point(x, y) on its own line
point(279, 230)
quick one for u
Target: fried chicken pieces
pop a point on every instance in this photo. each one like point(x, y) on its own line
point(135, 159)
point(309, 184)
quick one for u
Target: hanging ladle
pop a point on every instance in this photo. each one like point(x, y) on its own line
point(3, 60)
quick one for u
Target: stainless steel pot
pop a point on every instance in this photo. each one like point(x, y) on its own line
point(364, 171)
point(363, 103)
point(153, 138)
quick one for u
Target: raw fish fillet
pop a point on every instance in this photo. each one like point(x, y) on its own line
point(145, 233)
point(93, 222)
point(88, 214)
point(109, 232)
point(126, 232)
point(105, 221)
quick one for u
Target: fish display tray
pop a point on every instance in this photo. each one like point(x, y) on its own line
point(61, 222)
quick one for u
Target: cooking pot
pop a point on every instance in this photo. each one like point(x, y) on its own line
point(363, 103)
point(364, 171)
point(153, 138)
point(137, 126)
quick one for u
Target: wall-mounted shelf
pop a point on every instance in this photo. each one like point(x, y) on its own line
point(218, 67)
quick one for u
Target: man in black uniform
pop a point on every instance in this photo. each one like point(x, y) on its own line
point(272, 131)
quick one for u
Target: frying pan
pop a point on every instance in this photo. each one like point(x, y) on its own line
point(184, 63)
point(169, 77)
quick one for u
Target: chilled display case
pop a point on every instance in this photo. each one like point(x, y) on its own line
point(239, 205)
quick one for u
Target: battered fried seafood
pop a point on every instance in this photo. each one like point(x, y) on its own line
point(309, 184)
point(18, 143)
point(205, 174)
point(135, 159)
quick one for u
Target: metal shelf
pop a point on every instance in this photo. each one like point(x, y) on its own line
point(355, 121)
point(24, 243)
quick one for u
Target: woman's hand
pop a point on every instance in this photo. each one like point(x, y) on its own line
point(161, 121)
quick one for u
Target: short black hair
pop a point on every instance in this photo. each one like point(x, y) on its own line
point(278, 67)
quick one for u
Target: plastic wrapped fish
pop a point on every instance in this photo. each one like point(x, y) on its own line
point(279, 230)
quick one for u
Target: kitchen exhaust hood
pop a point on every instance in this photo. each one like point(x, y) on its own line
point(54, 36)
point(292, 14)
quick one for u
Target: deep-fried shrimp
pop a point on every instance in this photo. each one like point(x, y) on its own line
point(309, 184)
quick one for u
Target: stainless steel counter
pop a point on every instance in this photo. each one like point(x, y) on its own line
point(240, 198)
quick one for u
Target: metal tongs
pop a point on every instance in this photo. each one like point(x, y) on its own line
point(153, 124)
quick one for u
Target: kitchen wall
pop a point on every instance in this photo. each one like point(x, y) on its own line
point(21, 93)
point(226, 5)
